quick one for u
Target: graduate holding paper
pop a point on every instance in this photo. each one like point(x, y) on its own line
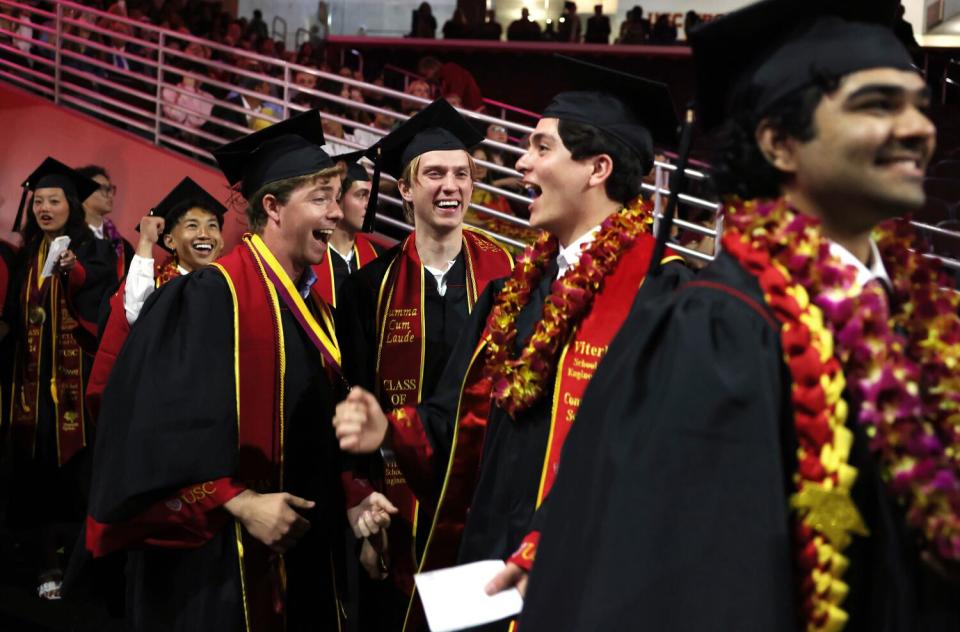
point(55, 330)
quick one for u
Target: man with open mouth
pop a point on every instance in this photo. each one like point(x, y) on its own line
point(777, 449)
point(514, 381)
point(213, 464)
point(400, 316)
point(349, 249)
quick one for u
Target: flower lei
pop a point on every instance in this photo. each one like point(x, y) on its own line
point(168, 271)
point(518, 383)
point(905, 387)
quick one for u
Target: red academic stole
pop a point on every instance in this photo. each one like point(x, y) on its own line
point(43, 299)
point(257, 285)
point(579, 359)
point(400, 356)
point(363, 253)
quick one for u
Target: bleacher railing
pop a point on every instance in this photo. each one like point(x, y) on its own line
point(130, 73)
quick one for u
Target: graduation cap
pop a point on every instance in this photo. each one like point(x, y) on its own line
point(355, 171)
point(759, 54)
point(185, 196)
point(54, 174)
point(437, 127)
point(636, 111)
point(286, 149)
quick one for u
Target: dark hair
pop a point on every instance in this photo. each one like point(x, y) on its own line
point(584, 141)
point(739, 167)
point(76, 228)
point(90, 171)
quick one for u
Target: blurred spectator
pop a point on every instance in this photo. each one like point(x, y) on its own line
point(457, 27)
point(524, 29)
point(452, 79)
point(904, 30)
point(690, 21)
point(423, 24)
point(635, 28)
point(498, 133)
point(257, 26)
point(188, 105)
point(381, 122)
point(569, 30)
point(305, 80)
point(664, 32)
point(550, 32)
point(598, 27)
point(454, 99)
point(417, 88)
point(489, 199)
point(490, 29)
point(260, 104)
point(333, 130)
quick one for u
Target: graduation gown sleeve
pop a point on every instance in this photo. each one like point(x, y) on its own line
point(165, 452)
point(671, 504)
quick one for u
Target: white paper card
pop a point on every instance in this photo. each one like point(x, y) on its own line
point(57, 247)
point(454, 598)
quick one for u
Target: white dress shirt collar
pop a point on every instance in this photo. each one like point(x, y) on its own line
point(864, 273)
point(570, 255)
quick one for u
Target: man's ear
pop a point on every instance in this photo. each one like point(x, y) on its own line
point(779, 148)
point(168, 241)
point(405, 192)
point(602, 169)
point(271, 206)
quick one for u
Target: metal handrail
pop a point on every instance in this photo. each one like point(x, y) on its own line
point(155, 123)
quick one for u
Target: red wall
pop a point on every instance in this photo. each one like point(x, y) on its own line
point(33, 128)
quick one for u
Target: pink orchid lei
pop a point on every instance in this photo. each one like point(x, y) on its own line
point(902, 369)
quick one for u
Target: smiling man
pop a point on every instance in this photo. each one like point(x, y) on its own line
point(399, 317)
point(765, 455)
point(515, 378)
point(186, 223)
point(212, 465)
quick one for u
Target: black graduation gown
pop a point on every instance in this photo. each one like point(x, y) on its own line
point(41, 491)
point(342, 269)
point(382, 606)
point(671, 507)
point(357, 314)
point(504, 501)
point(169, 418)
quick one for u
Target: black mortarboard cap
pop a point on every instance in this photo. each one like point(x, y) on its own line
point(355, 171)
point(185, 196)
point(54, 174)
point(286, 149)
point(437, 127)
point(636, 111)
point(753, 57)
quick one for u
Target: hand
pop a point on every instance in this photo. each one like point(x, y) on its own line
point(512, 576)
point(151, 228)
point(360, 423)
point(67, 260)
point(271, 518)
point(371, 559)
point(371, 515)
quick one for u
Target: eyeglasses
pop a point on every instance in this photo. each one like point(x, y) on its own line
point(108, 189)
